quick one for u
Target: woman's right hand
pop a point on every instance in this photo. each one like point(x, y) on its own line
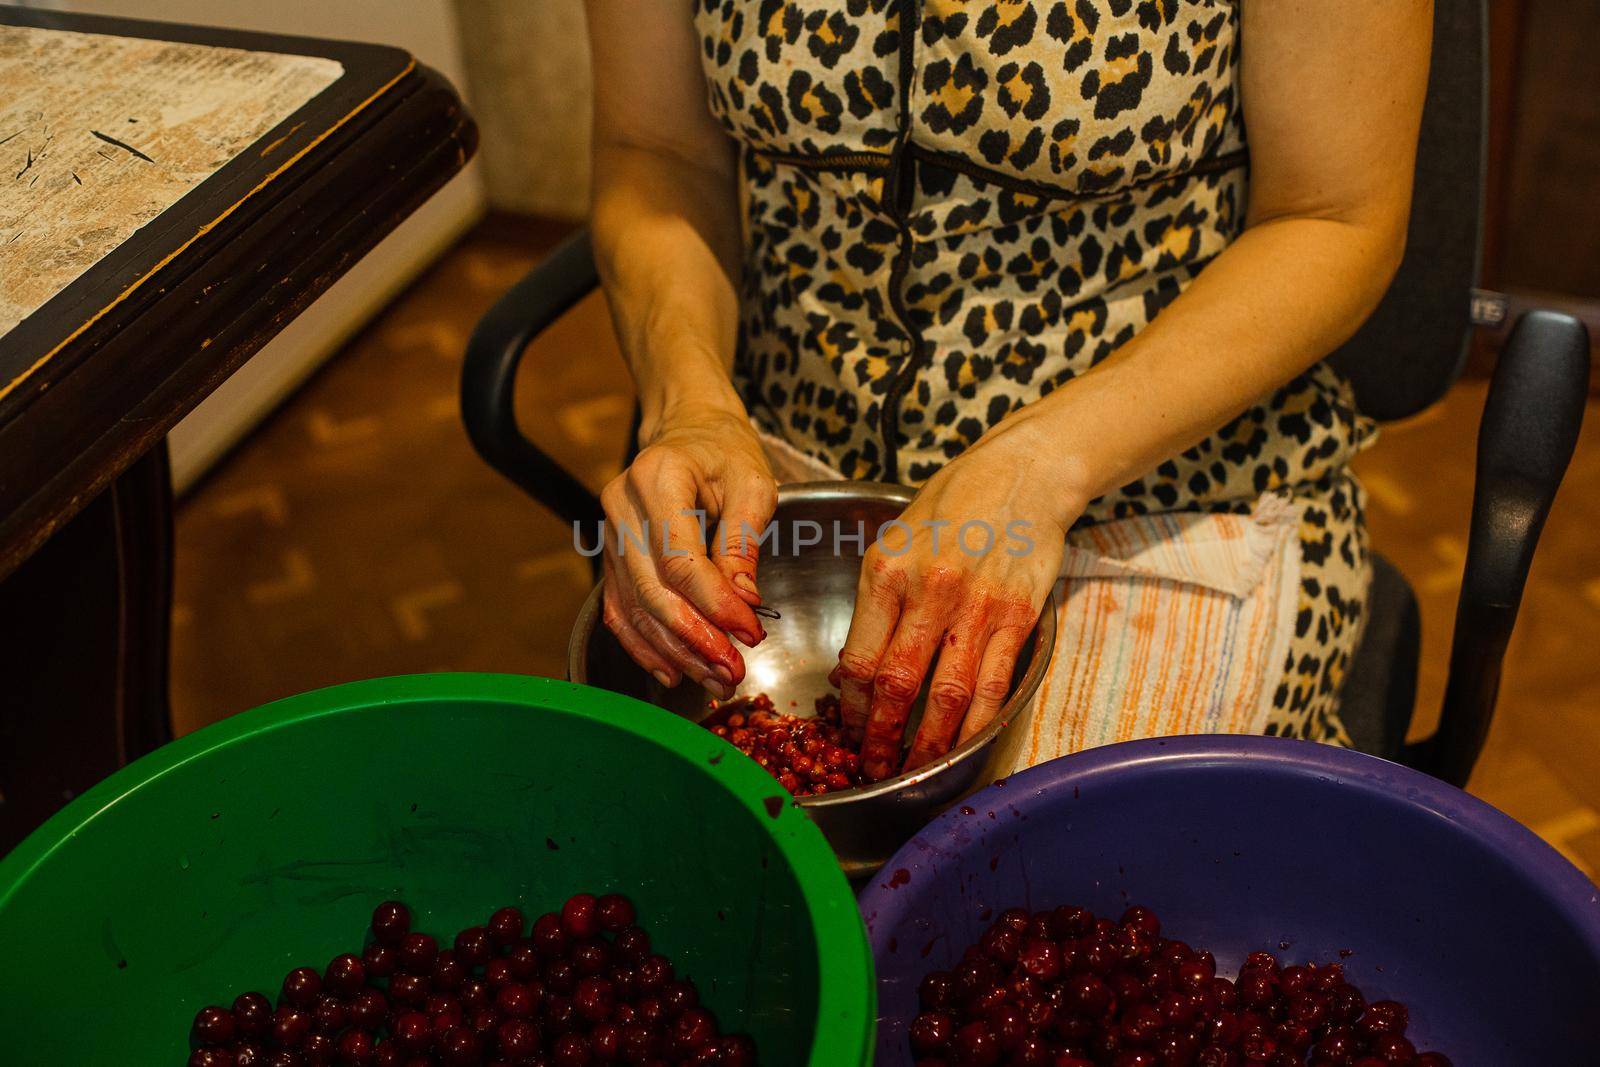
point(670, 603)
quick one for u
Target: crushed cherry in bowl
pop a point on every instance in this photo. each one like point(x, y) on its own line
point(808, 756)
point(1065, 988)
point(580, 987)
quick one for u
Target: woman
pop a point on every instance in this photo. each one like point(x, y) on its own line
point(1017, 253)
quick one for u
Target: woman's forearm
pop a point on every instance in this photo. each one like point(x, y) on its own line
point(1285, 294)
point(666, 237)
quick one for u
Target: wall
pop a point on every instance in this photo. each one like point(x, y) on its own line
point(528, 69)
point(426, 29)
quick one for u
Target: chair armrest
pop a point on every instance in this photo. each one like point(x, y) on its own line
point(1525, 441)
point(489, 375)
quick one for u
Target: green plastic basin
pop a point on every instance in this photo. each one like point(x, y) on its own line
point(262, 843)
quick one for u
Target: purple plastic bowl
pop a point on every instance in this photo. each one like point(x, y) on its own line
point(1242, 843)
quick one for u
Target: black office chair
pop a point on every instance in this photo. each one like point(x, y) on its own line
point(1401, 361)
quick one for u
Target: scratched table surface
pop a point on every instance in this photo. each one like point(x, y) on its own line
point(170, 197)
point(102, 134)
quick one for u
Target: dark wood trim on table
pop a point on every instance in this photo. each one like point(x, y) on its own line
point(91, 381)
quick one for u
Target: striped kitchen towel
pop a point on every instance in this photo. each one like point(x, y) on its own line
point(1167, 624)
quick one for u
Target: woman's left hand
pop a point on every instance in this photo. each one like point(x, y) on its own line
point(963, 579)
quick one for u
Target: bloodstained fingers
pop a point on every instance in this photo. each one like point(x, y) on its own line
point(950, 692)
point(746, 509)
point(878, 605)
point(717, 678)
point(678, 554)
point(993, 684)
point(896, 685)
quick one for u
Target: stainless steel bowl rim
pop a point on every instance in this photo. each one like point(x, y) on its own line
point(1044, 644)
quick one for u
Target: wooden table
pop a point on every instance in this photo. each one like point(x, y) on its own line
point(170, 198)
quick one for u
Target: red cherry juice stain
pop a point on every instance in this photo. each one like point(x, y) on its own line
point(1000, 782)
point(894, 944)
point(1346, 953)
point(550, 843)
point(985, 913)
point(967, 811)
point(1074, 792)
point(1283, 946)
point(994, 862)
point(899, 878)
point(774, 806)
point(716, 759)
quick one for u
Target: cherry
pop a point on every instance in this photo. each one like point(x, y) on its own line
point(355, 1046)
point(595, 999)
point(410, 989)
point(515, 1000)
point(474, 946)
point(580, 916)
point(738, 1050)
point(460, 1048)
point(417, 953)
point(1393, 1048)
point(380, 960)
point(524, 960)
point(448, 971)
point(694, 1029)
point(413, 1031)
point(632, 945)
point(654, 973)
point(931, 1032)
point(301, 986)
point(560, 1014)
point(213, 1057)
point(215, 1026)
point(248, 1054)
point(252, 1014)
point(616, 913)
point(368, 1009)
point(1040, 959)
point(290, 1027)
point(570, 1050)
point(1383, 1017)
point(1432, 1059)
point(391, 921)
point(328, 1015)
point(548, 937)
point(517, 1039)
point(679, 996)
point(473, 992)
point(605, 1042)
point(505, 926)
point(484, 1020)
point(976, 1045)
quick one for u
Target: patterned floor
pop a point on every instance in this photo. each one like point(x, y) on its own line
point(356, 534)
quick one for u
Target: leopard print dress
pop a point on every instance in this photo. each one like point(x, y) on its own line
point(953, 207)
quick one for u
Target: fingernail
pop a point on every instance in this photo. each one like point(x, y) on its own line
point(749, 640)
point(664, 678)
point(725, 675)
point(747, 583)
point(716, 688)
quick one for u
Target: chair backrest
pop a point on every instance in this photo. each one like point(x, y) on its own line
point(1412, 348)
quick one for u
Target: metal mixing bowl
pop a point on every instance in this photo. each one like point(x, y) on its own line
point(814, 587)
